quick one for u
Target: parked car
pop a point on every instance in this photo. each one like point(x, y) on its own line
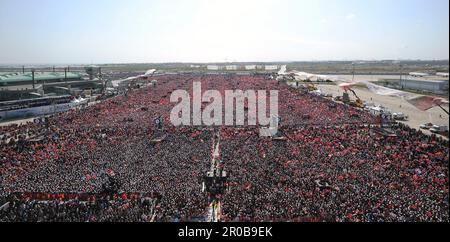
point(399, 116)
point(426, 126)
point(439, 129)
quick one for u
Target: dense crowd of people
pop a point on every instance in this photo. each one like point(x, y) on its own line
point(345, 173)
point(82, 160)
point(45, 207)
point(331, 166)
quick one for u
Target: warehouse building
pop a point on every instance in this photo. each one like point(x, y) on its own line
point(212, 67)
point(16, 79)
point(14, 86)
point(427, 85)
point(250, 67)
point(231, 67)
point(271, 67)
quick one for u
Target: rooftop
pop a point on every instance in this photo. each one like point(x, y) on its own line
point(19, 77)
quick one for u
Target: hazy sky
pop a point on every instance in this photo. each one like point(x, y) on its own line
point(116, 31)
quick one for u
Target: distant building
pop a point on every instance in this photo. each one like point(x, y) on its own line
point(231, 67)
point(213, 67)
point(250, 67)
point(434, 86)
point(16, 79)
point(271, 67)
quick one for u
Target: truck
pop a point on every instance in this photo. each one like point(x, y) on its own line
point(399, 116)
point(426, 126)
point(439, 129)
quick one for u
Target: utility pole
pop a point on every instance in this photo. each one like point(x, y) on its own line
point(401, 72)
point(353, 67)
point(100, 76)
point(43, 87)
point(32, 77)
point(65, 76)
point(401, 75)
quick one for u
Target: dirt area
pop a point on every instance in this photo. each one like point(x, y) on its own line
point(416, 117)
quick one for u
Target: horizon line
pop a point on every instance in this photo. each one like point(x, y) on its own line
point(213, 62)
